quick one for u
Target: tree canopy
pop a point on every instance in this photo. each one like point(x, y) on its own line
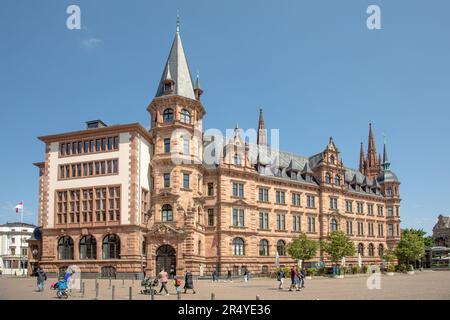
point(338, 246)
point(411, 246)
point(302, 248)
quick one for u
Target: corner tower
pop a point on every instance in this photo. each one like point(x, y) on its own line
point(176, 219)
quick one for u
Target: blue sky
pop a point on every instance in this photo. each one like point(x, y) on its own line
point(313, 66)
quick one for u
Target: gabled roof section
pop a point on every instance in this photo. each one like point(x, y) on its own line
point(177, 69)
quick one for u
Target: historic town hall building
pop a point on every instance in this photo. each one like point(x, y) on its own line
point(119, 200)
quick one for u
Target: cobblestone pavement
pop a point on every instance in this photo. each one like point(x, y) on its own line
point(421, 285)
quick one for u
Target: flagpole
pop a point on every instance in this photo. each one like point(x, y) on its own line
point(20, 249)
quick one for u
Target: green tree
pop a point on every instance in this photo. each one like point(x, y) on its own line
point(389, 256)
point(411, 246)
point(302, 248)
point(338, 246)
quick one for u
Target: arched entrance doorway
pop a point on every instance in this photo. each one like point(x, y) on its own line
point(166, 259)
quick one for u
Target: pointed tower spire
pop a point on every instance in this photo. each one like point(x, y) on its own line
point(197, 87)
point(361, 159)
point(178, 68)
point(372, 166)
point(262, 132)
point(386, 163)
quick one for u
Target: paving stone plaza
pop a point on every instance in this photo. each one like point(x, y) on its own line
point(420, 286)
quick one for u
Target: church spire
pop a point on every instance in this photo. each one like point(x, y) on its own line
point(386, 163)
point(361, 159)
point(373, 168)
point(262, 132)
point(178, 68)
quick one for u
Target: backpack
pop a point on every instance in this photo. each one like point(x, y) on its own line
point(177, 282)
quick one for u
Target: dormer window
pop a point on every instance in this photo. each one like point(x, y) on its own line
point(168, 115)
point(237, 160)
point(337, 180)
point(389, 191)
point(294, 175)
point(328, 178)
point(167, 87)
point(185, 116)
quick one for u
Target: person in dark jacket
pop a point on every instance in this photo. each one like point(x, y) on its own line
point(280, 278)
point(302, 278)
point(188, 282)
point(41, 278)
point(229, 278)
point(215, 276)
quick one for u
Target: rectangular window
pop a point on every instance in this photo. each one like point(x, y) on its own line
point(311, 224)
point(62, 149)
point(390, 212)
point(210, 189)
point(380, 211)
point(296, 199)
point(296, 223)
point(370, 229)
point(390, 230)
point(263, 195)
point(360, 229)
point(349, 227)
point(333, 203)
point(166, 180)
point(360, 207)
point(238, 190)
point(380, 229)
point(167, 145)
point(185, 180)
point(348, 206)
point(211, 217)
point(186, 146)
point(280, 197)
point(264, 220)
point(238, 217)
point(370, 209)
point(310, 201)
point(281, 221)
point(110, 143)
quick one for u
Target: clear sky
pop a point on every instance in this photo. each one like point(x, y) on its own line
point(313, 66)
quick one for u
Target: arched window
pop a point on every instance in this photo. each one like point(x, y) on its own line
point(361, 249)
point(111, 247)
point(237, 160)
point(337, 180)
point(168, 115)
point(371, 250)
point(238, 247)
point(281, 248)
point(333, 225)
point(389, 191)
point(264, 247)
point(328, 178)
point(167, 213)
point(185, 116)
point(88, 248)
point(65, 248)
point(144, 247)
point(332, 159)
point(381, 250)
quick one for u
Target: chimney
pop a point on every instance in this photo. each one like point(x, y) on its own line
point(94, 124)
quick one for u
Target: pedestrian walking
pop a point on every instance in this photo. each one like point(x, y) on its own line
point(229, 278)
point(215, 276)
point(41, 278)
point(172, 272)
point(188, 282)
point(280, 279)
point(245, 275)
point(294, 279)
point(163, 279)
point(68, 277)
point(177, 283)
point(302, 279)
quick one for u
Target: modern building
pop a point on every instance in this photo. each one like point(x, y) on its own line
point(122, 200)
point(14, 247)
point(441, 231)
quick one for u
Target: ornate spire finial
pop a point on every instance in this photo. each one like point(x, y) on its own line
point(178, 21)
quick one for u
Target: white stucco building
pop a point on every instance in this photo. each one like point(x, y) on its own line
point(14, 247)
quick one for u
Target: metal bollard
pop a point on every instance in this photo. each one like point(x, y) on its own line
point(213, 296)
point(123, 283)
point(96, 291)
point(152, 294)
point(81, 286)
point(113, 292)
point(109, 283)
point(82, 289)
point(130, 293)
point(257, 297)
point(178, 295)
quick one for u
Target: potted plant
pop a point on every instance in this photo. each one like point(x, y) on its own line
point(410, 269)
point(355, 269)
point(390, 270)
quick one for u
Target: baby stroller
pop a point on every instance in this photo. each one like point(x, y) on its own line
point(149, 286)
point(61, 289)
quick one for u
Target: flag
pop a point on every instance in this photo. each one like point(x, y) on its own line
point(19, 207)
